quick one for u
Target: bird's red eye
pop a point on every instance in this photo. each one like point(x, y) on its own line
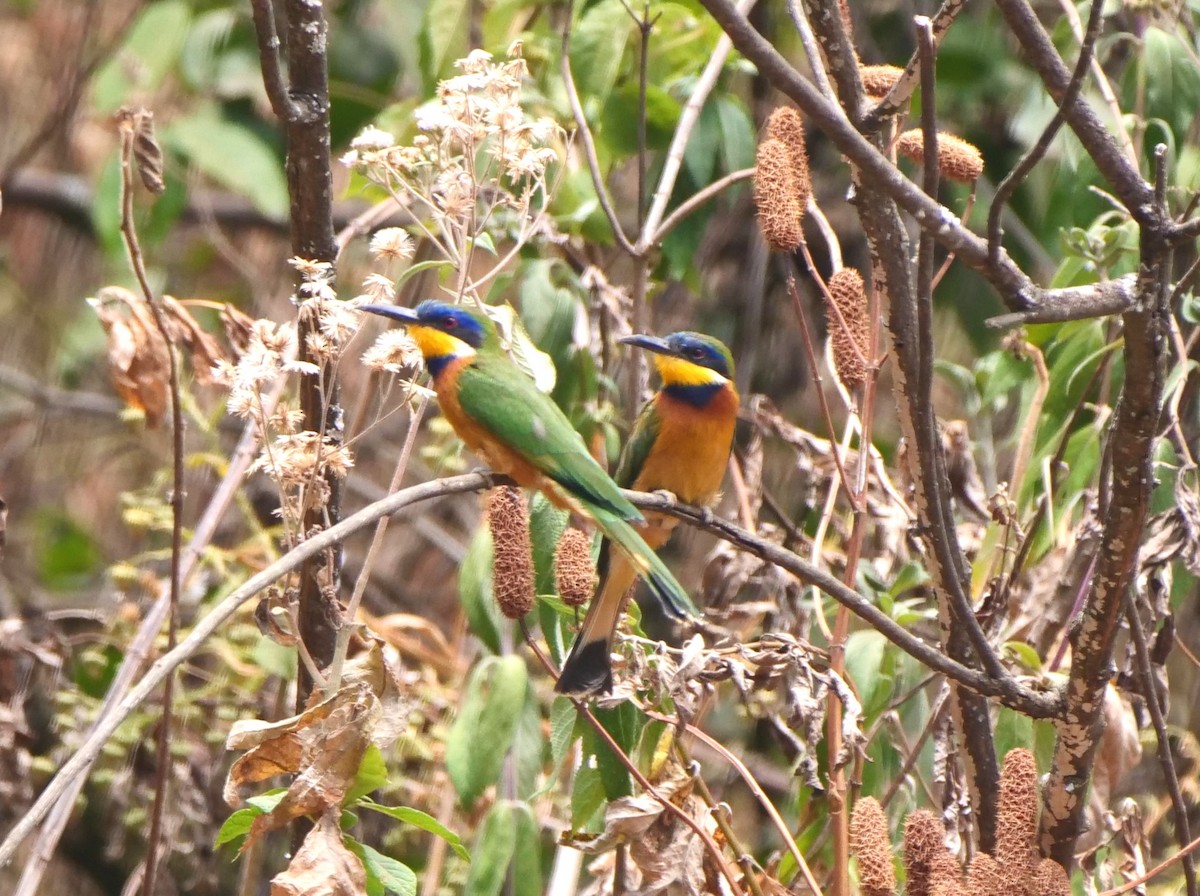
point(697, 353)
point(449, 322)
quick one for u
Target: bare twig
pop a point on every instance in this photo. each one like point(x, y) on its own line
point(130, 123)
point(696, 200)
point(585, 138)
point(1009, 185)
point(1166, 760)
point(903, 89)
point(651, 233)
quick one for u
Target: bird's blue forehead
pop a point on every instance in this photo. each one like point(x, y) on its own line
point(452, 319)
point(699, 350)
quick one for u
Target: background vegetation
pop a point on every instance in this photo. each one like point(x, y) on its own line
point(1024, 527)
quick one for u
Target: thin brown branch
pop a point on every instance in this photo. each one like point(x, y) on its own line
point(1003, 687)
point(584, 131)
point(1122, 174)
point(696, 200)
point(1150, 694)
point(130, 123)
point(903, 89)
point(270, 63)
point(1014, 179)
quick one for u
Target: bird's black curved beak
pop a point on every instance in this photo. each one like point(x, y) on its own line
point(405, 316)
point(649, 343)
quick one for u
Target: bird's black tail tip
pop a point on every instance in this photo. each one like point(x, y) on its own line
point(588, 670)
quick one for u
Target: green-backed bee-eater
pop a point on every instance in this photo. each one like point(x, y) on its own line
point(680, 443)
point(502, 416)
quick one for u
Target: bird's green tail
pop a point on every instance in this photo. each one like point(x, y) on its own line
point(647, 563)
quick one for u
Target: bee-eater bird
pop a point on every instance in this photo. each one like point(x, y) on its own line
point(501, 415)
point(680, 444)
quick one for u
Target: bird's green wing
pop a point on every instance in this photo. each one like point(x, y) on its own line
point(498, 396)
point(637, 449)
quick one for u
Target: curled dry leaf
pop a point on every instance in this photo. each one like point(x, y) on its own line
point(665, 853)
point(203, 349)
point(323, 747)
point(137, 355)
point(323, 866)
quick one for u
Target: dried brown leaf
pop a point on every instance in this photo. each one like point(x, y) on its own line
point(323, 747)
point(137, 355)
point(204, 350)
point(323, 866)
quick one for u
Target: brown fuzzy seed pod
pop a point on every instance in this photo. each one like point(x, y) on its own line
point(879, 79)
point(945, 875)
point(870, 845)
point(923, 848)
point(1050, 879)
point(786, 126)
point(775, 196)
point(957, 159)
point(574, 574)
point(851, 342)
point(985, 877)
point(512, 552)
point(1016, 816)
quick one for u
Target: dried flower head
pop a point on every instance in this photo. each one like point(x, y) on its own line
point(777, 197)
point(392, 243)
point(851, 342)
point(786, 126)
point(1050, 879)
point(879, 79)
point(394, 351)
point(923, 847)
point(299, 458)
point(1017, 814)
point(512, 552)
point(574, 572)
point(957, 159)
point(870, 845)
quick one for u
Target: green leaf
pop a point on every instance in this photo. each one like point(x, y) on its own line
point(546, 526)
point(145, 58)
point(393, 876)
point(597, 49)
point(494, 848)
point(1025, 654)
point(236, 826)
point(866, 650)
point(234, 156)
point(372, 774)
point(529, 746)
point(442, 38)
point(587, 797)
point(483, 732)
point(619, 120)
point(738, 140)
point(562, 730)
point(475, 590)
point(422, 820)
point(526, 860)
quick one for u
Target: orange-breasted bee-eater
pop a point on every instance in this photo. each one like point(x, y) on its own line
point(499, 412)
point(680, 443)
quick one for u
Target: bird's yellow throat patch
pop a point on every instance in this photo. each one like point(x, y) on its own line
point(436, 344)
point(678, 372)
